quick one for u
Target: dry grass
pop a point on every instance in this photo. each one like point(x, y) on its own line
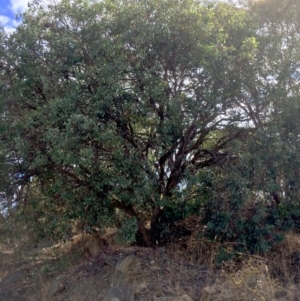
point(273, 276)
point(185, 271)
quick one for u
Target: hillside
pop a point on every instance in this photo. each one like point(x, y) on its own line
point(85, 270)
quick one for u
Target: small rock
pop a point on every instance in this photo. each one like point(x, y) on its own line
point(129, 264)
point(126, 270)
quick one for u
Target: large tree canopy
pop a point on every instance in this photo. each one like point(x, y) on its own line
point(119, 112)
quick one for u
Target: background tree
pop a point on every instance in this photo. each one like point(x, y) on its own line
point(261, 197)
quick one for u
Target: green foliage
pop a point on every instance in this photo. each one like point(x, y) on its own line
point(248, 226)
point(126, 233)
point(129, 113)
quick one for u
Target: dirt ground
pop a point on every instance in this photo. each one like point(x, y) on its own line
point(162, 274)
point(79, 271)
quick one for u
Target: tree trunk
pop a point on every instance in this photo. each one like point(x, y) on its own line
point(143, 237)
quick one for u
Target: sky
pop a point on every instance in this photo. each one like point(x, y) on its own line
point(8, 11)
